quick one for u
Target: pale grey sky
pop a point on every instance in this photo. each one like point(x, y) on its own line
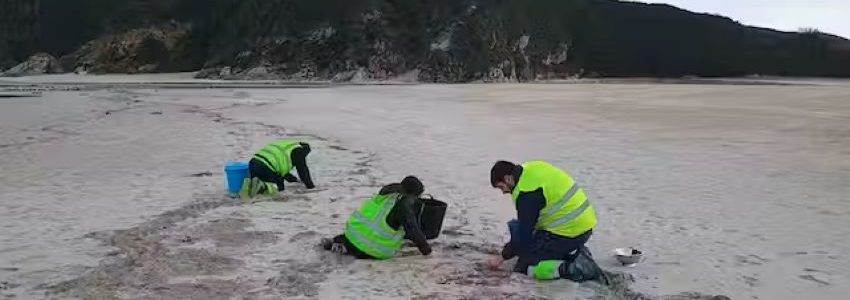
point(831, 16)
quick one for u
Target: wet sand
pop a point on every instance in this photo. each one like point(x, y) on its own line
point(733, 190)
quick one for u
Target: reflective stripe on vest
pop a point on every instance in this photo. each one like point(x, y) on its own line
point(555, 207)
point(569, 216)
point(359, 237)
point(373, 235)
point(278, 157)
point(568, 212)
point(285, 164)
point(375, 227)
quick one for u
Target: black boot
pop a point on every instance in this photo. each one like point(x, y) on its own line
point(580, 267)
point(330, 245)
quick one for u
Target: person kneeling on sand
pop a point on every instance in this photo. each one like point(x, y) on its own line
point(554, 221)
point(377, 230)
point(270, 167)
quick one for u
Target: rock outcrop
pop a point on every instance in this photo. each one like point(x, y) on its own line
point(40, 63)
point(142, 50)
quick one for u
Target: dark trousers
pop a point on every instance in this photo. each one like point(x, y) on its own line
point(546, 246)
point(299, 160)
point(259, 170)
point(350, 248)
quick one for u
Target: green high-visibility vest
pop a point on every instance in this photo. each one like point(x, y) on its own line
point(278, 155)
point(367, 228)
point(567, 211)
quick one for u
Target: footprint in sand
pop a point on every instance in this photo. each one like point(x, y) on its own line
point(299, 279)
point(812, 278)
point(456, 231)
point(815, 275)
point(751, 281)
point(751, 259)
point(478, 274)
point(5, 285)
point(302, 235)
point(467, 248)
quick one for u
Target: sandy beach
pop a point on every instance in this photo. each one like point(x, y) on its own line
point(118, 192)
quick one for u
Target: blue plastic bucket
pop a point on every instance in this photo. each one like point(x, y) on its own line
point(235, 172)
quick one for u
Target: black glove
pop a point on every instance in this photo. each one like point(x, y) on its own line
point(425, 250)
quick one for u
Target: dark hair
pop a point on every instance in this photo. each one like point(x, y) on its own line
point(412, 185)
point(500, 170)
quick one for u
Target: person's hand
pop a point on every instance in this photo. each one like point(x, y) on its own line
point(426, 250)
point(495, 262)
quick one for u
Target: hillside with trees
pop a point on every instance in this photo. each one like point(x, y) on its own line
point(433, 40)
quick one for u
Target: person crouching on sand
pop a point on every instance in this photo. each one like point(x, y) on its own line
point(555, 220)
point(377, 230)
point(270, 167)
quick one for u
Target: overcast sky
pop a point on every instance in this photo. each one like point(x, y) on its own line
point(831, 16)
